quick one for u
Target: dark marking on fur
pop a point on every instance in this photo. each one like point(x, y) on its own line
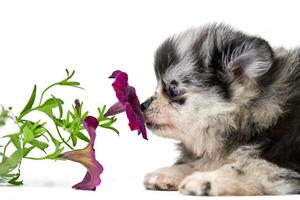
point(180, 100)
point(186, 81)
point(173, 82)
point(165, 56)
point(237, 170)
point(206, 188)
point(157, 187)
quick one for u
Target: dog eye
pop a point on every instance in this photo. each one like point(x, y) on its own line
point(174, 91)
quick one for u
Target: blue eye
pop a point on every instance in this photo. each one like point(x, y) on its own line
point(174, 91)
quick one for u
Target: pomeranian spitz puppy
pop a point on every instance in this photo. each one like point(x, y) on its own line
point(233, 103)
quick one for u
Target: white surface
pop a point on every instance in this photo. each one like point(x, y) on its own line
point(39, 39)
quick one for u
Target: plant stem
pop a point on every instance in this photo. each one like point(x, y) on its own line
point(43, 93)
point(4, 150)
point(32, 158)
point(52, 137)
point(18, 119)
point(43, 158)
point(62, 139)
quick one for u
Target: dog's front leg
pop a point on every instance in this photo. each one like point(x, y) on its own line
point(245, 175)
point(168, 178)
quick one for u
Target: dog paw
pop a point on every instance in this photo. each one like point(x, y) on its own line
point(162, 179)
point(197, 185)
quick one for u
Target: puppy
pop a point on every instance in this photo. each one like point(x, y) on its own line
point(233, 103)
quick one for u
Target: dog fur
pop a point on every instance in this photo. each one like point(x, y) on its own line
point(233, 103)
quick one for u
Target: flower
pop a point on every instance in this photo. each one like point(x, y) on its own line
point(78, 106)
point(87, 158)
point(128, 102)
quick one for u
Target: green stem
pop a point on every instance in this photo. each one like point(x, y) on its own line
point(61, 137)
point(54, 84)
point(43, 93)
point(52, 137)
point(43, 158)
point(4, 150)
point(19, 119)
point(32, 158)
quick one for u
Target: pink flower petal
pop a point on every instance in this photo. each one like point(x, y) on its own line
point(114, 109)
point(87, 158)
point(129, 101)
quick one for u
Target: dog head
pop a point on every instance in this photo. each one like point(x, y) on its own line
point(204, 75)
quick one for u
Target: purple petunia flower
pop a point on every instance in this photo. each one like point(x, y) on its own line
point(87, 158)
point(128, 102)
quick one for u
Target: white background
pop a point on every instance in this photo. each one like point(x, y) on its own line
point(39, 39)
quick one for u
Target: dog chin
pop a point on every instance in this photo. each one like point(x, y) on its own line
point(157, 126)
point(153, 126)
point(162, 130)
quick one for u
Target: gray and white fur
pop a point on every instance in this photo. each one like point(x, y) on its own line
point(233, 103)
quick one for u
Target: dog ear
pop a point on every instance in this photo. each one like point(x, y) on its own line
point(250, 58)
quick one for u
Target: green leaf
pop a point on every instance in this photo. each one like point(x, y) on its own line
point(14, 180)
point(39, 144)
point(55, 141)
point(55, 154)
point(75, 123)
point(74, 140)
point(4, 115)
point(67, 117)
point(27, 150)
point(28, 134)
point(112, 128)
point(103, 109)
point(10, 175)
point(107, 124)
point(4, 157)
point(11, 162)
point(49, 105)
point(70, 83)
point(67, 72)
point(15, 139)
point(59, 104)
point(82, 136)
point(59, 122)
point(30, 102)
point(72, 115)
point(69, 76)
point(101, 113)
point(12, 134)
point(38, 132)
point(84, 115)
point(35, 125)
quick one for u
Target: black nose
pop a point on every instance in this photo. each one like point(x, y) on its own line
point(146, 104)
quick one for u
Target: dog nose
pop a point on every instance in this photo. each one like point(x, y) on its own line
point(146, 104)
